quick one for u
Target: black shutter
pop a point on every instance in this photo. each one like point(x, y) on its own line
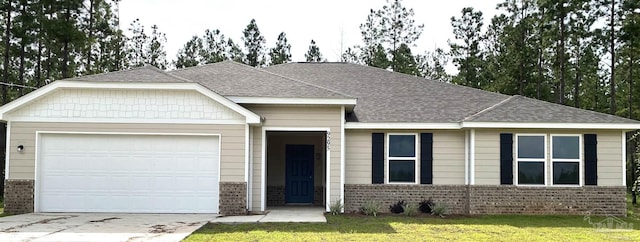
point(590, 159)
point(426, 158)
point(377, 158)
point(506, 159)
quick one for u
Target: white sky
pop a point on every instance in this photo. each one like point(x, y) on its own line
point(331, 23)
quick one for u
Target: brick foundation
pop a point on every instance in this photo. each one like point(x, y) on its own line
point(356, 195)
point(276, 197)
point(18, 196)
point(233, 198)
point(548, 200)
point(463, 199)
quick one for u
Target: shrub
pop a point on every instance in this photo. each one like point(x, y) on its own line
point(440, 209)
point(425, 206)
point(336, 207)
point(409, 209)
point(397, 207)
point(371, 208)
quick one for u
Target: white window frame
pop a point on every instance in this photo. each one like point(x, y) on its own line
point(414, 159)
point(518, 160)
point(580, 160)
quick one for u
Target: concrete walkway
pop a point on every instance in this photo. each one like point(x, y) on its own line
point(100, 226)
point(294, 214)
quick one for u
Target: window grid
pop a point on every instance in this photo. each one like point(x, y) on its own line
point(578, 160)
point(530, 160)
point(402, 158)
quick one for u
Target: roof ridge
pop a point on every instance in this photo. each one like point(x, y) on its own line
point(106, 73)
point(166, 73)
point(202, 66)
point(492, 107)
point(305, 83)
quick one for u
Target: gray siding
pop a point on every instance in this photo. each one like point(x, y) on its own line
point(448, 155)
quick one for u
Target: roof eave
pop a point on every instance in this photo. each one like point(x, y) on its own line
point(287, 100)
point(551, 125)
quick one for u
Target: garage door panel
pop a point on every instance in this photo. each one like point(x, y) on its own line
point(128, 173)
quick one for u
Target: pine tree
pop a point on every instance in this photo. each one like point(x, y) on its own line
point(405, 61)
point(400, 32)
point(350, 55)
point(466, 52)
point(235, 52)
point(281, 53)
point(385, 31)
point(214, 47)
point(137, 43)
point(155, 54)
point(188, 55)
point(254, 44)
point(313, 54)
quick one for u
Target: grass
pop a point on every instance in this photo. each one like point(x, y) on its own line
point(421, 228)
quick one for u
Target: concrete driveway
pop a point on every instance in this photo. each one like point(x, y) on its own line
point(100, 226)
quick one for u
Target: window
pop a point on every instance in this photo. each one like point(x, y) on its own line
point(531, 150)
point(565, 159)
point(401, 158)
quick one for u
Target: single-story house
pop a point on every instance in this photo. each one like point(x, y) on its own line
point(229, 138)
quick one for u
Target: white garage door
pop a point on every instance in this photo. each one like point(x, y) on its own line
point(128, 173)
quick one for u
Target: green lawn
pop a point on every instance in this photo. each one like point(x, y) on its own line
point(400, 228)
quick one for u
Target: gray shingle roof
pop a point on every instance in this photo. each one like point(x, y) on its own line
point(382, 96)
point(385, 96)
point(148, 74)
point(523, 109)
point(233, 79)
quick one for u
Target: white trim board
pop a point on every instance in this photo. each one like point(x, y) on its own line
point(358, 125)
point(622, 126)
point(285, 100)
point(495, 125)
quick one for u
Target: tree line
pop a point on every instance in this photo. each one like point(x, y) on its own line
point(47, 40)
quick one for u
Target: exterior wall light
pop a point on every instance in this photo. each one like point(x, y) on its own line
point(20, 148)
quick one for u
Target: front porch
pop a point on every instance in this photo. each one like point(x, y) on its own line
point(296, 164)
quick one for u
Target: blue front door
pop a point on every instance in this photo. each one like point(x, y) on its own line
point(299, 174)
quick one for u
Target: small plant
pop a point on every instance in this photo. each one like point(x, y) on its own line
point(397, 207)
point(440, 209)
point(425, 205)
point(336, 207)
point(371, 208)
point(409, 209)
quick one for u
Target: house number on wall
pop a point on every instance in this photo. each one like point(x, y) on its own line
point(328, 140)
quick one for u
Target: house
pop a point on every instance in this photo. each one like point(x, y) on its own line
point(228, 138)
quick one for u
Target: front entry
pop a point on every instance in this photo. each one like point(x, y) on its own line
point(299, 173)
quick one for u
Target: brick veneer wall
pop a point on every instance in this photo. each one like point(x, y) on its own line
point(463, 199)
point(18, 196)
point(548, 200)
point(276, 197)
point(233, 198)
point(356, 195)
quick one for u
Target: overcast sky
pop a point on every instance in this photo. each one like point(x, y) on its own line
point(333, 24)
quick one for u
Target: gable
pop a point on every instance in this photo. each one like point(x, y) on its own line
point(99, 102)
